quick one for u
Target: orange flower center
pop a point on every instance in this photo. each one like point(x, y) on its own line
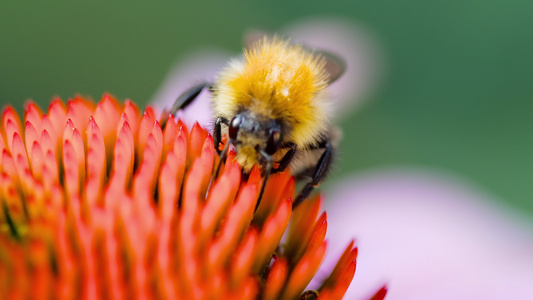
point(98, 201)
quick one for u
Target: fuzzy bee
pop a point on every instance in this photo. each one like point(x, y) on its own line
point(273, 106)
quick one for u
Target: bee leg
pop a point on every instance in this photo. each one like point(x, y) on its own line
point(266, 175)
point(222, 159)
point(322, 168)
point(187, 98)
point(286, 160)
point(217, 132)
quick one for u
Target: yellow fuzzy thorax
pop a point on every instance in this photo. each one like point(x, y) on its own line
point(280, 81)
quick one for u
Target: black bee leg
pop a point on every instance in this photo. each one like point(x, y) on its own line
point(217, 132)
point(266, 174)
point(286, 160)
point(223, 155)
point(322, 168)
point(186, 98)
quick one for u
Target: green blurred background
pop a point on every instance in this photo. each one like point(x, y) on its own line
point(456, 96)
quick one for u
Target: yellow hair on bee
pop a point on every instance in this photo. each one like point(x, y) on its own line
point(280, 81)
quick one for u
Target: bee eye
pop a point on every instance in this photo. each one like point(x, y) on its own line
point(274, 141)
point(234, 127)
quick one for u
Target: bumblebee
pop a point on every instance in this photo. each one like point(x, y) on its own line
point(273, 106)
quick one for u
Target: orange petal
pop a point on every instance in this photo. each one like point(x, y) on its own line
point(145, 179)
point(132, 114)
point(196, 185)
point(33, 114)
point(57, 115)
point(37, 160)
point(271, 234)
point(196, 142)
point(221, 197)
point(78, 111)
point(11, 124)
point(380, 294)
point(2, 148)
point(171, 178)
point(276, 279)
point(339, 287)
point(73, 159)
point(248, 290)
point(18, 151)
point(171, 129)
point(30, 136)
point(145, 127)
point(244, 258)
point(123, 159)
point(304, 271)
point(50, 166)
point(10, 195)
point(299, 230)
point(237, 222)
point(96, 164)
point(349, 255)
point(216, 286)
point(319, 232)
point(272, 196)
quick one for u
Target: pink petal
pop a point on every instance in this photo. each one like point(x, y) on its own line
point(429, 237)
point(197, 67)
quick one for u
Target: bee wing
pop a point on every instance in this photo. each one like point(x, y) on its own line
point(353, 58)
point(335, 65)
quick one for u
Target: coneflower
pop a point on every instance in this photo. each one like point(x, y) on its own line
point(99, 202)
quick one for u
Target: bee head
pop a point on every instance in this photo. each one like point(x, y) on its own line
point(250, 130)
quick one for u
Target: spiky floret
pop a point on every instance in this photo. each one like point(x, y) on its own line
point(281, 81)
point(99, 202)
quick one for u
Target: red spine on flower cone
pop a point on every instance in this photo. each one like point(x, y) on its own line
point(99, 201)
